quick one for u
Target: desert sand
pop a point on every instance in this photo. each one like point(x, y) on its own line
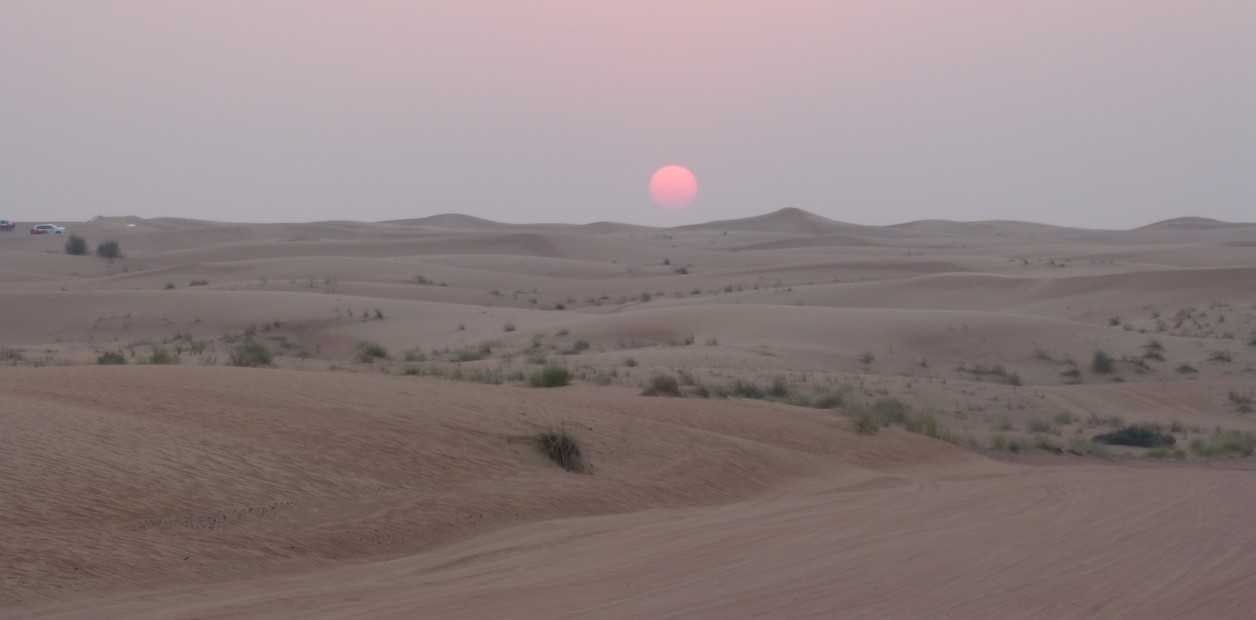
point(871, 422)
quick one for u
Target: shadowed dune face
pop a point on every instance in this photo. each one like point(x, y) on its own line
point(851, 408)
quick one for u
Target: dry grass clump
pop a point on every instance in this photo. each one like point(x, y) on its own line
point(109, 358)
point(370, 351)
point(550, 377)
point(561, 447)
point(1225, 443)
point(662, 385)
point(251, 354)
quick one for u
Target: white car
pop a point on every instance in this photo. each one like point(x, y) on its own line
point(47, 229)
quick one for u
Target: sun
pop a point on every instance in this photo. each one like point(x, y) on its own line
point(673, 187)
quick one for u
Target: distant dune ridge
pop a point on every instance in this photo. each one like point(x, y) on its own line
point(782, 416)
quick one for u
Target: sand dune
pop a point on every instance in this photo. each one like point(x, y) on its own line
point(874, 422)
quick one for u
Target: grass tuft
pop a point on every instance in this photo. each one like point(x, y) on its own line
point(550, 377)
point(561, 447)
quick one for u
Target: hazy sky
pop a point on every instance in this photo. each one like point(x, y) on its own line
point(1097, 113)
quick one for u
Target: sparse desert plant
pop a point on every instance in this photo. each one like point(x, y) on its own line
point(924, 424)
point(415, 355)
point(630, 362)
point(662, 385)
point(108, 249)
point(251, 354)
point(1101, 362)
point(580, 345)
point(1242, 401)
point(1186, 369)
point(561, 447)
point(867, 358)
point(109, 358)
point(1165, 453)
point(13, 356)
point(1220, 356)
point(550, 376)
point(76, 245)
point(1225, 443)
point(473, 354)
point(162, 355)
point(891, 411)
point(509, 327)
point(865, 421)
point(742, 389)
point(370, 351)
point(1064, 418)
point(827, 401)
point(1140, 436)
point(779, 388)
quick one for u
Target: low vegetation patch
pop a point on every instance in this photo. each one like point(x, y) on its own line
point(111, 358)
point(1225, 443)
point(1165, 453)
point(550, 377)
point(251, 354)
point(561, 447)
point(662, 385)
point(1101, 362)
point(1138, 436)
point(108, 249)
point(162, 355)
point(76, 245)
point(370, 351)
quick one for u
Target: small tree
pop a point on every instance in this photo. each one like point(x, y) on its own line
point(76, 245)
point(108, 249)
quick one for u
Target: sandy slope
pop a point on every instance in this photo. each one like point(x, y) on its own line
point(334, 486)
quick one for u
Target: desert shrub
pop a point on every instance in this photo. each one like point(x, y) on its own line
point(76, 245)
point(1008, 444)
point(368, 351)
point(1186, 369)
point(562, 448)
point(108, 249)
point(251, 353)
point(1165, 453)
point(580, 345)
point(865, 421)
point(1137, 436)
point(1101, 362)
point(550, 377)
point(472, 355)
point(630, 362)
point(162, 355)
point(509, 327)
point(1064, 418)
point(741, 389)
point(891, 410)
point(1225, 443)
point(925, 424)
point(827, 401)
point(662, 385)
point(1242, 401)
point(415, 355)
point(1220, 356)
point(778, 389)
point(111, 358)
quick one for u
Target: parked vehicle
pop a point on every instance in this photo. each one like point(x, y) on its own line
point(7, 225)
point(47, 229)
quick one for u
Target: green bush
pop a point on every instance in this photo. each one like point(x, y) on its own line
point(891, 410)
point(111, 358)
point(1137, 436)
point(76, 245)
point(251, 353)
point(368, 351)
point(162, 355)
point(562, 448)
point(550, 377)
point(108, 249)
point(1101, 362)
